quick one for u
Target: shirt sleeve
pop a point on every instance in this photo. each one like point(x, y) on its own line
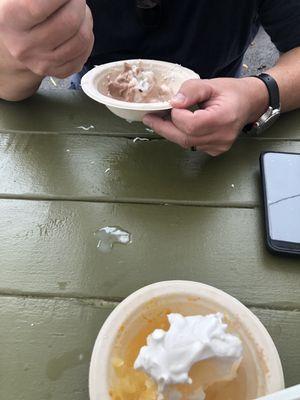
point(281, 20)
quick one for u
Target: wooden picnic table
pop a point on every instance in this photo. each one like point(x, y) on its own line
point(191, 217)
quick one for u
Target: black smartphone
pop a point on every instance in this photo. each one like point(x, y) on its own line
point(280, 174)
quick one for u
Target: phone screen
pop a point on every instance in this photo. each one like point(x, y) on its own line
point(282, 192)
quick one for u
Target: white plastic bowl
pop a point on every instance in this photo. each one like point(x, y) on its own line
point(214, 299)
point(91, 82)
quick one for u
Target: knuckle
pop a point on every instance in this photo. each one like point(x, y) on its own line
point(73, 20)
point(233, 118)
point(86, 32)
point(34, 9)
point(84, 37)
point(41, 68)
point(72, 24)
point(19, 51)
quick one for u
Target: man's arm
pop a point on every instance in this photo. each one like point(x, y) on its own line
point(227, 105)
point(40, 38)
point(287, 74)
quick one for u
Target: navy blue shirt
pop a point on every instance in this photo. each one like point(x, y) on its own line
point(208, 36)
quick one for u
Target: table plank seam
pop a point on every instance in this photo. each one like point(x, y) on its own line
point(116, 135)
point(126, 200)
point(92, 301)
point(104, 302)
point(130, 136)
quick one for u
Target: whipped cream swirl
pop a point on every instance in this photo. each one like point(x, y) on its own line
point(169, 355)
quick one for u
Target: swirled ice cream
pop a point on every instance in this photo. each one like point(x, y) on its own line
point(137, 84)
point(169, 355)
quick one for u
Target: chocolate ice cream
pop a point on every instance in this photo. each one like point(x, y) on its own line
point(138, 85)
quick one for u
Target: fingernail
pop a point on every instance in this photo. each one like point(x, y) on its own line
point(179, 98)
point(147, 121)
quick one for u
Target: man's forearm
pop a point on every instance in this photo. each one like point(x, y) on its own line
point(16, 81)
point(287, 74)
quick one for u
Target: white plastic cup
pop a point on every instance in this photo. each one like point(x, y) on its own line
point(176, 75)
point(193, 295)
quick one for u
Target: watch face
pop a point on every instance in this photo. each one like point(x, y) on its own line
point(267, 119)
point(264, 122)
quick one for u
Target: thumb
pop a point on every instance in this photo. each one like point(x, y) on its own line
point(192, 92)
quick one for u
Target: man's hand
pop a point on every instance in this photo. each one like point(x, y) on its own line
point(48, 37)
point(226, 106)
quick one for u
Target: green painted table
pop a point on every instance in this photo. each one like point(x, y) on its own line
point(191, 217)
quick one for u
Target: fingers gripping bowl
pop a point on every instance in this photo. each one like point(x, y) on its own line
point(170, 76)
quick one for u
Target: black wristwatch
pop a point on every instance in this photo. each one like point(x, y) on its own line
point(273, 111)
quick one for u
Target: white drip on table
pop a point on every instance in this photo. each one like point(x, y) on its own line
point(108, 236)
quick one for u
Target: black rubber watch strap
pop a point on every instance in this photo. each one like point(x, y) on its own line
point(272, 89)
point(274, 104)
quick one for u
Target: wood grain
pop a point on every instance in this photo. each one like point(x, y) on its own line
point(63, 111)
point(57, 111)
point(49, 248)
point(95, 168)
